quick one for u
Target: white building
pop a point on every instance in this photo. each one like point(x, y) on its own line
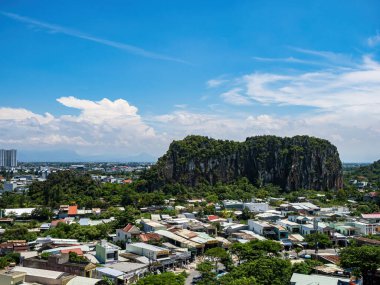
point(258, 227)
point(365, 228)
point(150, 251)
point(292, 227)
point(257, 207)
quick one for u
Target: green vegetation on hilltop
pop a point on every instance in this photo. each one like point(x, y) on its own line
point(370, 173)
point(290, 163)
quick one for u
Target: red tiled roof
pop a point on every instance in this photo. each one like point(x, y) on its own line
point(55, 222)
point(212, 217)
point(127, 228)
point(73, 210)
point(76, 250)
point(149, 236)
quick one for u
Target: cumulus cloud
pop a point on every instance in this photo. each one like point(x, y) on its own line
point(101, 126)
point(340, 104)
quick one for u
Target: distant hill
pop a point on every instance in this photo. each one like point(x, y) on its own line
point(370, 172)
point(300, 162)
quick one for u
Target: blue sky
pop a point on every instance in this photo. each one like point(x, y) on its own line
point(120, 78)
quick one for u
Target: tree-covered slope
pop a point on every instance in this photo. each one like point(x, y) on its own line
point(291, 163)
point(371, 173)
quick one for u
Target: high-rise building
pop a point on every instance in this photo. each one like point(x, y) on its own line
point(8, 158)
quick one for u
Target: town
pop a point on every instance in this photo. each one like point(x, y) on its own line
point(75, 244)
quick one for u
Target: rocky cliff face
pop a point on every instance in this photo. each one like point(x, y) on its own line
point(291, 163)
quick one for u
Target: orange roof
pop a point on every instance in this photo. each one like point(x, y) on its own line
point(212, 217)
point(128, 227)
point(55, 222)
point(73, 210)
point(149, 236)
point(76, 250)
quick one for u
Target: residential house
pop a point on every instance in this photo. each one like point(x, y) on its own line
point(106, 252)
point(152, 226)
point(292, 227)
point(262, 228)
point(150, 251)
point(127, 233)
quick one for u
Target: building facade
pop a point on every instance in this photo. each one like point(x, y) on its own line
point(8, 158)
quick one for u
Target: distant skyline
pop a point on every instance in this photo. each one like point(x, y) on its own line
point(120, 79)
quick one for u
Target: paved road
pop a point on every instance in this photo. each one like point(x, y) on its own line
point(193, 273)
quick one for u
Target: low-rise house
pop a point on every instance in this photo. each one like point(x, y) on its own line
point(371, 218)
point(45, 226)
point(307, 229)
point(230, 228)
point(132, 270)
point(292, 227)
point(116, 276)
point(262, 228)
point(150, 251)
point(62, 263)
point(18, 212)
point(181, 241)
point(127, 233)
point(233, 204)
point(42, 276)
point(303, 279)
point(106, 252)
point(257, 207)
point(12, 277)
point(365, 228)
point(300, 219)
point(281, 232)
point(152, 226)
point(304, 208)
point(345, 229)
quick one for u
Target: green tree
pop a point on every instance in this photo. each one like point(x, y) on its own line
point(267, 271)
point(363, 259)
point(216, 254)
point(42, 214)
point(297, 250)
point(305, 267)
point(208, 273)
point(318, 240)
point(166, 278)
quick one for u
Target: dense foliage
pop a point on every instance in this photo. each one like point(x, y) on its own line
point(18, 232)
point(9, 258)
point(166, 278)
point(291, 163)
point(370, 172)
point(318, 240)
point(363, 259)
point(266, 271)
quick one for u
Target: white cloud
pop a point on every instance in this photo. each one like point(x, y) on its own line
point(374, 40)
point(54, 29)
point(212, 83)
point(101, 127)
point(234, 97)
